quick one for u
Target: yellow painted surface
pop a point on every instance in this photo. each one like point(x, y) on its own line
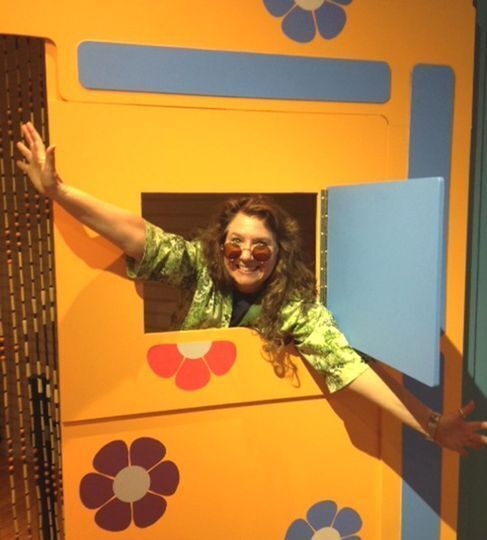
point(105, 389)
point(245, 472)
point(271, 460)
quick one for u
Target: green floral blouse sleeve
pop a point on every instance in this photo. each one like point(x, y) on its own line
point(167, 257)
point(321, 343)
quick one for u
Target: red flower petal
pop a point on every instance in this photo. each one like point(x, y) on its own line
point(221, 357)
point(146, 452)
point(164, 360)
point(194, 374)
point(111, 458)
point(114, 516)
point(164, 478)
point(95, 490)
point(148, 510)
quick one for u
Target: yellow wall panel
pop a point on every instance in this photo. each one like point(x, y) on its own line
point(226, 487)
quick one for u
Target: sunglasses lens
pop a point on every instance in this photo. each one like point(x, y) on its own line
point(261, 253)
point(231, 251)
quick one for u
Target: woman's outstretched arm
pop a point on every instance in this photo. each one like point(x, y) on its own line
point(122, 228)
point(450, 431)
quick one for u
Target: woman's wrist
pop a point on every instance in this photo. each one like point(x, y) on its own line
point(431, 428)
point(57, 191)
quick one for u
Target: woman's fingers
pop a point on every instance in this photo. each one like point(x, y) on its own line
point(34, 134)
point(39, 152)
point(36, 144)
point(51, 159)
point(467, 409)
point(477, 425)
point(474, 443)
point(24, 150)
point(34, 148)
point(38, 163)
point(26, 134)
point(22, 166)
point(475, 440)
point(34, 152)
point(481, 439)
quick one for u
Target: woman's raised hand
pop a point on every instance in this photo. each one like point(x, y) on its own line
point(124, 229)
point(455, 433)
point(38, 163)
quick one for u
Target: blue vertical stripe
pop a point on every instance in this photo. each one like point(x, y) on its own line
point(429, 150)
point(430, 132)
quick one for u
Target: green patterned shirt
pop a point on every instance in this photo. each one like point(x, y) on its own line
point(172, 259)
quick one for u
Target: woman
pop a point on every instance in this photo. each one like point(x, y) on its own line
point(246, 268)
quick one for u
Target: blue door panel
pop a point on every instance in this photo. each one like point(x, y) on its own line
point(384, 271)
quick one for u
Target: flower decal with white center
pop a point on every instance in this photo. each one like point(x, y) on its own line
point(325, 522)
point(129, 485)
point(301, 18)
point(192, 363)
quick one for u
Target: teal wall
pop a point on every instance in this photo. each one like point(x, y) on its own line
point(472, 519)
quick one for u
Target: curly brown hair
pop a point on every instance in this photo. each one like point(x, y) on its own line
point(291, 278)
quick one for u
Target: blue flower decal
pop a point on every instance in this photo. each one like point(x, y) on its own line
point(325, 522)
point(301, 18)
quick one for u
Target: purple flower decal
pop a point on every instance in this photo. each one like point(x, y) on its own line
point(301, 18)
point(129, 485)
point(325, 522)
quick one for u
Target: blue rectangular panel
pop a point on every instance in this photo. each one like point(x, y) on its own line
point(142, 68)
point(385, 244)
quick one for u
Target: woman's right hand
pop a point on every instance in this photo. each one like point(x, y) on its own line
point(124, 229)
point(38, 163)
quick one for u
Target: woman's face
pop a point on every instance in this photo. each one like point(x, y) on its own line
point(247, 273)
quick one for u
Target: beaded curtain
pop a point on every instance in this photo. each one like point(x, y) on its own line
point(29, 417)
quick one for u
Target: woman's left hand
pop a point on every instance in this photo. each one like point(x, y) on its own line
point(455, 433)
